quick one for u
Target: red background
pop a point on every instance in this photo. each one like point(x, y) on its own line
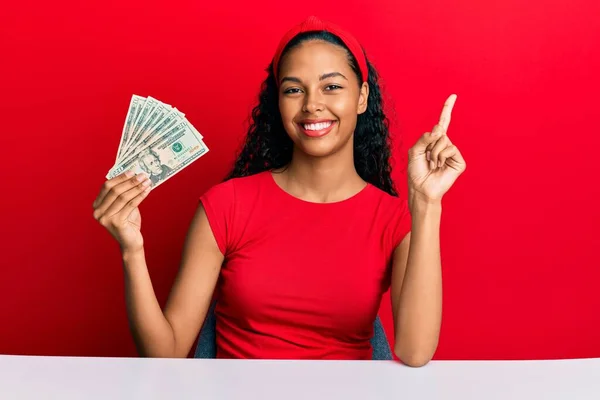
point(520, 228)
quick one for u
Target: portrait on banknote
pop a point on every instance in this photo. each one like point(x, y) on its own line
point(150, 163)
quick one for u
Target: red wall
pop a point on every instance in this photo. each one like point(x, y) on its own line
point(520, 229)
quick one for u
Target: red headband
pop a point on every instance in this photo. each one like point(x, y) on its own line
point(315, 24)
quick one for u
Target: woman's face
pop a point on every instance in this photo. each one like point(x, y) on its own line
point(319, 97)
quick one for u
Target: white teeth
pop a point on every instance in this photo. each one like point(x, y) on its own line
point(318, 126)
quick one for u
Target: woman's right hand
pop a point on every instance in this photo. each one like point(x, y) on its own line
point(116, 208)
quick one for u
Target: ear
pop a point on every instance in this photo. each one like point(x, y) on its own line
point(363, 98)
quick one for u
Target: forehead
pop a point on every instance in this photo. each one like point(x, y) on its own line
point(315, 57)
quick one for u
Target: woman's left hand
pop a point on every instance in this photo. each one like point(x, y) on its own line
point(434, 163)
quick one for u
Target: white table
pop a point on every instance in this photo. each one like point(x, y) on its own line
point(65, 378)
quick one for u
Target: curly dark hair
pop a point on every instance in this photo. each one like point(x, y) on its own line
point(267, 145)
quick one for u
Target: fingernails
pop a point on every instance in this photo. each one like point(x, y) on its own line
point(129, 174)
point(146, 182)
point(140, 177)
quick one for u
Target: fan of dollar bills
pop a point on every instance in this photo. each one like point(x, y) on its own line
point(157, 140)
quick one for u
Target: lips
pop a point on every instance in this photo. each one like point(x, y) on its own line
point(316, 128)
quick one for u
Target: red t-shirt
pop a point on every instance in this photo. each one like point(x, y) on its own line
point(300, 280)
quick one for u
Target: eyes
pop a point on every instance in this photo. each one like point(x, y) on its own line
point(328, 88)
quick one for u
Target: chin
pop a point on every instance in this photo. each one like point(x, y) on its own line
point(318, 148)
point(317, 151)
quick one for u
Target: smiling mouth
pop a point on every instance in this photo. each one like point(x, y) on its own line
point(317, 126)
point(316, 129)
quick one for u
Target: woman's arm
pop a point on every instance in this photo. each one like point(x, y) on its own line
point(434, 164)
point(171, 333)
point(416, 289)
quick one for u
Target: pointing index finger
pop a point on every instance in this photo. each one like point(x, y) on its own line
point(447, 112)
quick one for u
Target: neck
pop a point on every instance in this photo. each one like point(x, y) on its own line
point(321, 179)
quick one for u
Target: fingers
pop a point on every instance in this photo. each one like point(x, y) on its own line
point(134, 202)
point(446, 114)
point(447, 153)
point(117, 193)
point(441, 128)
point(428, 140)
point(123, 199)
point(442, 143)
point(452, 157)
point(437, 131)
point(109, 184)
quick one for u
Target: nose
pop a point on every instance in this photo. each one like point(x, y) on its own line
point(313, 103)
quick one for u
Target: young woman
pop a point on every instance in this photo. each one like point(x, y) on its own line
point(307, 232)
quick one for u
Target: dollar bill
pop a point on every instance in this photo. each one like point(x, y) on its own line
point(157, 121)
point(157, 111)
point(134, 106)
point(160, 131)
point(167, 156)
point(147, 108)
point(138, 111)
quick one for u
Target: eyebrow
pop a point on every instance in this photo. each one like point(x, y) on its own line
point(322, 77)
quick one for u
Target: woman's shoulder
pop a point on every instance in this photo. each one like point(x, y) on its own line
point(229, 206)
point(236, 187)
point(391, 208)
point(393, 215)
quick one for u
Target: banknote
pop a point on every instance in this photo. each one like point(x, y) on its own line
point(145, 112)
point(157, 140)
point(160, 120)
point(161, 131)
point(134, 105)
point(157, 111)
